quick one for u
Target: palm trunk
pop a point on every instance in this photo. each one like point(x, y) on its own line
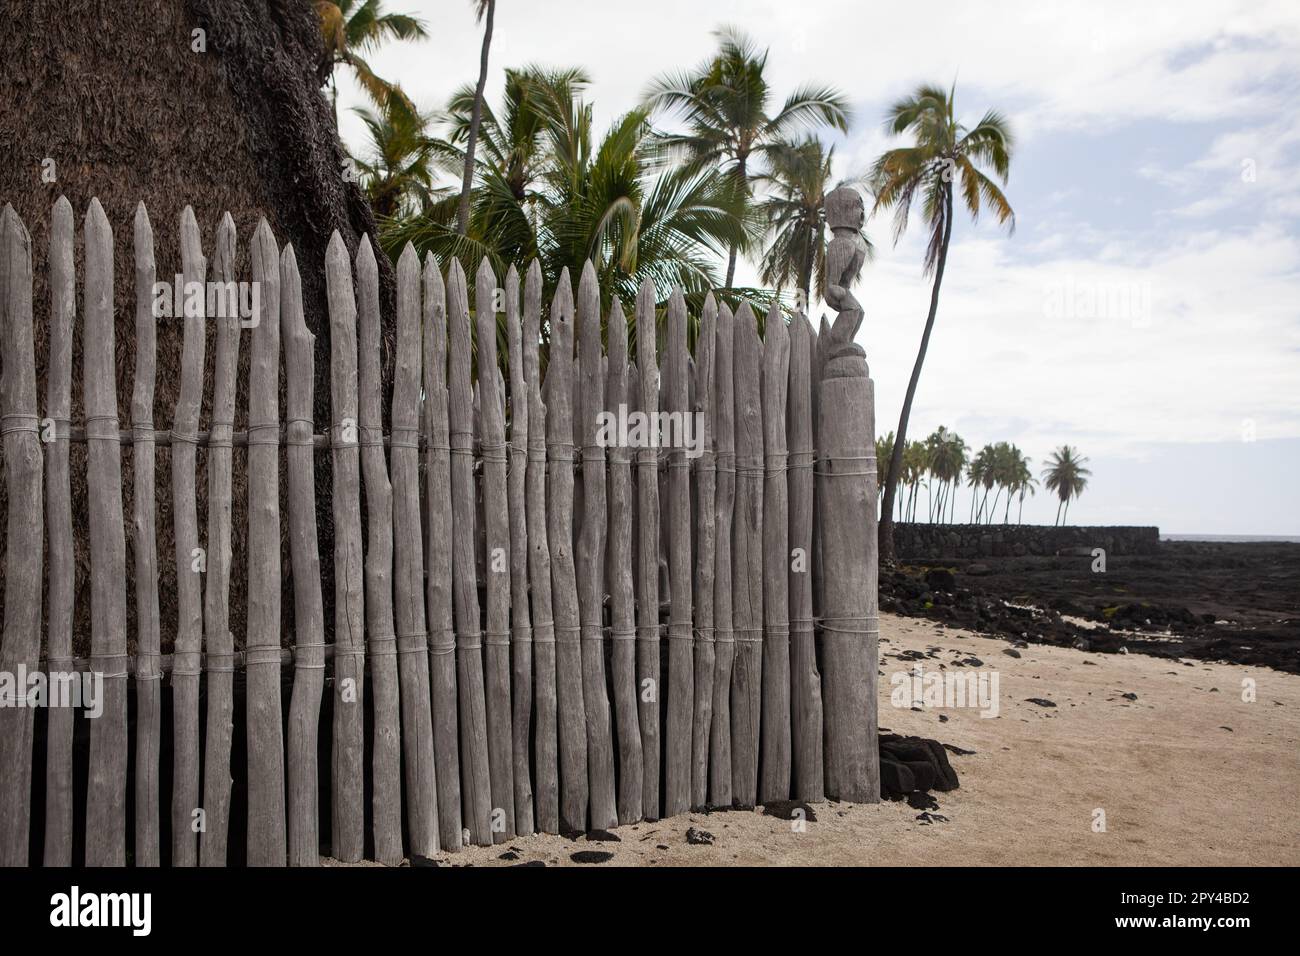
point(743, 173)
point(896, 462)
point(462, 211)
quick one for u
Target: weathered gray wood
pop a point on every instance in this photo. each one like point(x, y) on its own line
point(266, 842)
point(564, 589)
point(267, 839)
point(185, 817)
point(442, 639)
point(774, 780)
point(805, 680)
point(106, 789)
point(476, 784)
point(496, 510)
point(724, 638)
point(58, 509)
point(412, 632)
point(847, 433)
point(304, 564)
point(348, 823)
point(850, 624)
point(591, 556)
point(747, 560)
point(539, 565)
point(705, 553)
point(631, 766)
point(647, 577)
point(521, 629)
point(24, 461)
point(820, 342)
point(681, 678)
point(220, 644)
point(381, 637)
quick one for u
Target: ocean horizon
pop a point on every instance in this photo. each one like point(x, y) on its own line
point(1233, 538)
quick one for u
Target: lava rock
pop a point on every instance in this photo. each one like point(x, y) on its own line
point(591, 856)
point(698, 837)
point(786, 809)
point(941, 579)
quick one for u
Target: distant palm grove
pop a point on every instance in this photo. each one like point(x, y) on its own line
point(712, 165)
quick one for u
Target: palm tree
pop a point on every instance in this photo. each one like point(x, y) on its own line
point(724, 103)
point(981, 475)
point(884, 451)
point(547, 188)
point(352, 28)
point(944, 153)
point(947, 460)
point(488, 7)
point(1026, 484)
point(397, 175)
point(1066, 476)
point(798, 179)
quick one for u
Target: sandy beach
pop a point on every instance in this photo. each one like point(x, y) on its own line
point(1187, 774)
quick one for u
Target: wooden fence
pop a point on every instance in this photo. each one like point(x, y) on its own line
point(550, 630)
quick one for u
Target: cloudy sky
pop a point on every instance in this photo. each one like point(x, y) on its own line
point(1147, 308)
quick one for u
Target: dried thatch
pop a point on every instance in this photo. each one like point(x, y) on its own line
point(117, 96)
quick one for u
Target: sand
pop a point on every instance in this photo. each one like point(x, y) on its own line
point(1177, 787)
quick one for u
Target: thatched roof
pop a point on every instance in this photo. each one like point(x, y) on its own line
point(118, 96)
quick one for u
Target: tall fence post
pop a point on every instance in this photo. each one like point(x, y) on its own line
point(849, 552)
point(106, 797)
point(62, 600)
point(412, 630)
point(476, 784)
point(304, 563)
point(381, 636)
point(216, 600)
point(21, 646)
point(442, 637)
point(521, 628)
point(348, 771)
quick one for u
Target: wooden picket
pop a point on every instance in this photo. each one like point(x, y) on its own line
point(493, 713)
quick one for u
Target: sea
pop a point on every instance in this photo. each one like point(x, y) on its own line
point(1234, 538)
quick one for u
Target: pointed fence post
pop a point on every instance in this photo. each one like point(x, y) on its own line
point(631, 766)
point(23, 466)
point(496, 513)
point(408, 578)
point(220, 644)
point(591, 555)
point(381, 636)
point(521, 628)
point(724, 637)
point(774, 782)
point(442, 636)
point(188, 645)
point(347, 836)
point(476, 781)
point(706, 552)
point(647, 577)
point(564, 588)
point(747, 561)
point(545, 740)
point(62, 588)
point(681, 678)
point(304, 563)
